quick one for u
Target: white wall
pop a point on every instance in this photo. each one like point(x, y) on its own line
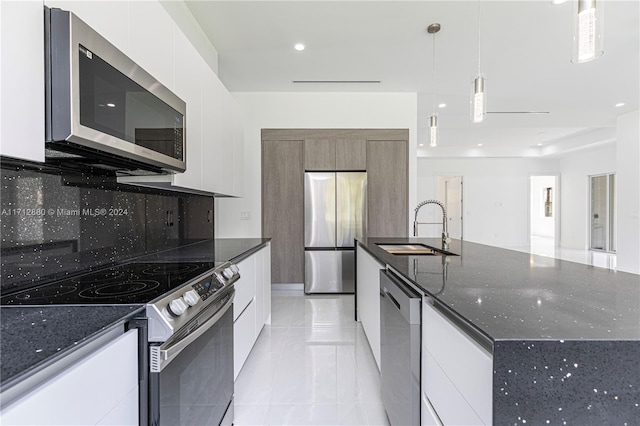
point(311, 111)
point(495, 191)
point(628, 181)
point(574, 192)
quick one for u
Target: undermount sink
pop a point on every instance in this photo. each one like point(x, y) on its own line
point(414, 250)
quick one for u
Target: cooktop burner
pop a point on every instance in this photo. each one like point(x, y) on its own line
point(125, 284)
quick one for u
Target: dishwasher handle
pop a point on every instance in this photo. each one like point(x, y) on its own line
point(385, 293)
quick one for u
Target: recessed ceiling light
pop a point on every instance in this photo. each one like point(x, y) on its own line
point(421, 144)
point(539, 144)
point(619, 104)
point(299, 47)
point(556, 2)
point(442, 105)
point(479, 144)
point(110, 105)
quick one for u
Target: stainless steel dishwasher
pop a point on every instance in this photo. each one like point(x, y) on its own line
point(400, 335)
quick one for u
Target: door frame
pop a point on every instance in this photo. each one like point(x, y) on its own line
point(558, 208)
point(462, 195)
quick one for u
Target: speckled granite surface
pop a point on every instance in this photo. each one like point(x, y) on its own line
point(566, 336)
point(30, 336)
point(219, 249)
point(507, 294)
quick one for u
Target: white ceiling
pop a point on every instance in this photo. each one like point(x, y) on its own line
point(525, 57)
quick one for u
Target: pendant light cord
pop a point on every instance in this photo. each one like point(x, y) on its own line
point(434, 74)
point(479, 2)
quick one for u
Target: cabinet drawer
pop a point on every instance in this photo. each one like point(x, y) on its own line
point(244, 336)
point(455, 368)
point(450, 405)
point(245, 286)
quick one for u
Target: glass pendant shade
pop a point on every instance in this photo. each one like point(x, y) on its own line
point(433, 130)
point(588, 21)
point(478, 100)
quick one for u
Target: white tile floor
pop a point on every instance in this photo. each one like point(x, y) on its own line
point(311, 366)
point(545, 247)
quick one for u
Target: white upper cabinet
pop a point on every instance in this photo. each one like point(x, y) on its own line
point(144, 31)
point(109, 18)
point(22, 80)
point(189, 68)
point(151, 32)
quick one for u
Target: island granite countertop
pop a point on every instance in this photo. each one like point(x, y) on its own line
point(564, 337)
point(507, 294)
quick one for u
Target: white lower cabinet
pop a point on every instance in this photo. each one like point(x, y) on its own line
point(457, 373)
point(101, 388)
point(368, 298)
point(251, 304)
point(428, 416)
point(243, 337)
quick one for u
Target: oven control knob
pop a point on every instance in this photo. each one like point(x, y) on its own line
point(235, 268)
point(191, 297)
point(220, 278)
point(177, 307)
point(228, 273)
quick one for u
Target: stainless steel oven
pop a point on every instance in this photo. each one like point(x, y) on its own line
point(191, 370)
point(188, 342)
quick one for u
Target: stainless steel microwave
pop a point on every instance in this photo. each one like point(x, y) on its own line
point(103, 110)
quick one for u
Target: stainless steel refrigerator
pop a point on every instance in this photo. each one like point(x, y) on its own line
point(334, 214)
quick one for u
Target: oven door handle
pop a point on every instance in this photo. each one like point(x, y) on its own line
point(162, 355)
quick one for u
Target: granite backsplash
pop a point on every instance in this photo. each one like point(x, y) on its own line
point(55, 223)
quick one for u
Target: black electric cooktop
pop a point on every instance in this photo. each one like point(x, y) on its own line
point(131, 283)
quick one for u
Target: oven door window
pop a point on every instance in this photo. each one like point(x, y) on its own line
point(195, 388)
point(112, 103)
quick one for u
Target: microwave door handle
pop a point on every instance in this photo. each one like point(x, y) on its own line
point(165, 353)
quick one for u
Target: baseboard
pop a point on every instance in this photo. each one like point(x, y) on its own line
point(288, 287)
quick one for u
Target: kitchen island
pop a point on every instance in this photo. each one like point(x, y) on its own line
point(563, 338)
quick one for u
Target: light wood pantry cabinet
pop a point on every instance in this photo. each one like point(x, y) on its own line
point(351, 154)
point(387, 188)
point(288, 153)
point(283, 208)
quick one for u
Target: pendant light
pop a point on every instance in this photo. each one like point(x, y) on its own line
point(588, 21)
point(433, 119)
point(478, 98)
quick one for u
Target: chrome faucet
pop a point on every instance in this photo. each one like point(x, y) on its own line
point(445, 230)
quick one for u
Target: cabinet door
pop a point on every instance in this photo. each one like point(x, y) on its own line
point(319, 155)
point(151, 40)
point(368, 299)
point(245, 286)
point(387, 188)
point(263, 288)
point(266, 275)
point(189, 67)
point(238, 149)
point(102, 385)
point(22, 80)
point(351, 154)
point(244, 337)
point(283, 208)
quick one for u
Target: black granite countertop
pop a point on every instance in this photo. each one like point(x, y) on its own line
point(218, 250)
point(506, 294)
point(31, 336)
